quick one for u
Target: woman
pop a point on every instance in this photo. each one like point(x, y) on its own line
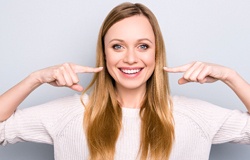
point(129, 113)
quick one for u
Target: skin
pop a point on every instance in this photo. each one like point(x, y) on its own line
point(130, 57)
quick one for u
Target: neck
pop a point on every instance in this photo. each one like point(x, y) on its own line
point(131, 98)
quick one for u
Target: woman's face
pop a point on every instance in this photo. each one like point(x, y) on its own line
point(130, 52)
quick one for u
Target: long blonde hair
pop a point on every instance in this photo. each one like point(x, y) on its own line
point(103, 116)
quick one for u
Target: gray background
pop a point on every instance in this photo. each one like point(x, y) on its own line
point(38, 33)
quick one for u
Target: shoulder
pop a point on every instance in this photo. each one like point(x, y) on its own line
point(56, 114)
point(71, 119)
point(61, 105)
point(196, 106)
point(200, 110)
point(64, 108)
point(205, 116)
point(66, 102)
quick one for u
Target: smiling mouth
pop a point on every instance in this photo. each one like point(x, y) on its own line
point(130, 71)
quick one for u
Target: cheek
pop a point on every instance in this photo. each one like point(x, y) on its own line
point(108, 64)
point(111, 62)
point(150, 60)
point(112, 58)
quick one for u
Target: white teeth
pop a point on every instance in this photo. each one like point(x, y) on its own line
point(130, 71)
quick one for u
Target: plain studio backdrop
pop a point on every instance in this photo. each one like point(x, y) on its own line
point(38, 33)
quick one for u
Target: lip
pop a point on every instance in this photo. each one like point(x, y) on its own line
point(131, 72)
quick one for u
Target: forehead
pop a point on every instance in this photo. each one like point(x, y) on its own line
point(132, 28)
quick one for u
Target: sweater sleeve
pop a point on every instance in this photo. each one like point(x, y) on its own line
point(38, 123)
point(220, 125)
point(235, 127)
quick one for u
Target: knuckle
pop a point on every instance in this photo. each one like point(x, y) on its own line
point(200, 79)
point(56, 72)
point(66, 64)
point(76, 81)
point(60, 83)
point(202, 65)
point(193, 79)
point(208, 68)
point(62, 68)
point(193, 62)
point(198, 63)
point(69, 84)
point(186, 77)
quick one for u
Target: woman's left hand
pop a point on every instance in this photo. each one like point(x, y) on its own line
point(207, 73)
point(200, 72)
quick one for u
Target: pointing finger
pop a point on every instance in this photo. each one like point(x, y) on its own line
point(182, 68)
point(82, 69)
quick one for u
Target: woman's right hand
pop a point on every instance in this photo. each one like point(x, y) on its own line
point(64, 75)
point(59, 75)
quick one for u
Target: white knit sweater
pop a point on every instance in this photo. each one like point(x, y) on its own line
point(198, 124)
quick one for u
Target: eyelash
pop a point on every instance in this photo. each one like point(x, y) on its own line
point(144, 46)
point(115, 46)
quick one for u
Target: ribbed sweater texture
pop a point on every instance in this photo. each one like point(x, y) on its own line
point(198, 125)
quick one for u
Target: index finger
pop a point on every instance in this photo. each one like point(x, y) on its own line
point(178, 69)
point(83, 69)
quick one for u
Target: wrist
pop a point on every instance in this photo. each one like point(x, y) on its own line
point(230, 75)
point(33, 80)
point(233, 78)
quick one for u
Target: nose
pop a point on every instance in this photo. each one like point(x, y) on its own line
point(130, 57)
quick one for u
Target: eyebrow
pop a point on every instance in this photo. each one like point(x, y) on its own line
point(120, 40)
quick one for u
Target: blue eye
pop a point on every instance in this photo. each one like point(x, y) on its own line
point(116, 46)
point(143, 46)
